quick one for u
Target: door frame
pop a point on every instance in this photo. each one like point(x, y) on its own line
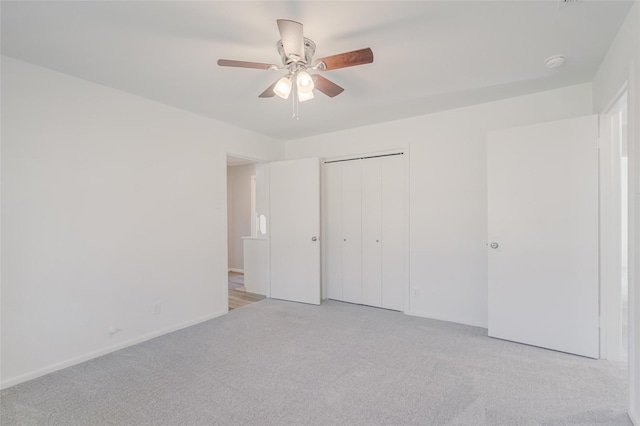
point(224, 280)
point(407, 225)
point(610, 231)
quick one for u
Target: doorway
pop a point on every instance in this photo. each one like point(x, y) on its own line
point(241, 225)
point(615, 232)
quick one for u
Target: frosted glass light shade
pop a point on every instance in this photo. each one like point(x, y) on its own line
point(305, 82)
point(283, 87)
point(305, 96)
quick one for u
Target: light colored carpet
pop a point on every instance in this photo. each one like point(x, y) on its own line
point(280, 363)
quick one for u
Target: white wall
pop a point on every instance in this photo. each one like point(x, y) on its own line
point(613, 73)
point(229, 216)
point(634, 232)
point(448, 193)
point(239, 207)
point(110, 204)
point(622, 65)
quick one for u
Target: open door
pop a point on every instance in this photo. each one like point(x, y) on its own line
point(295, 230)
point(543, 235)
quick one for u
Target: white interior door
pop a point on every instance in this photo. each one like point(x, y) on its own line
point(392, 235)
point(371, 233)
point(352, 231)
point(543, 227)
point(295, 230)
point(332, 229)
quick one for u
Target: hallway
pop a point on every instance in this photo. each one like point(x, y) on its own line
point(238, 296)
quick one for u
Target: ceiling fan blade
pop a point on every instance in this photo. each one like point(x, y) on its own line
point(347, 59)
point(326, 86)
point(244, 64)
point(292, 39)
point(269, 92)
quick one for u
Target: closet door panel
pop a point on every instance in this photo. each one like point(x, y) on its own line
point(371, 235)
point(352, 231)
point(392, 239)
point(332, 230)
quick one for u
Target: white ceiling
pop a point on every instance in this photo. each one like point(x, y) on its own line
point(429, 55)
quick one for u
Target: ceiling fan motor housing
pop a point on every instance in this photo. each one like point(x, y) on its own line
point(309, 50)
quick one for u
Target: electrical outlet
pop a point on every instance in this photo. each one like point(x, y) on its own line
point(157, 308)
point(415, 291)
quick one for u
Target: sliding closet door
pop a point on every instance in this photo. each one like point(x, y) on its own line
point(392, 232)
point(352, 231)
point(371, 231)
point(332, 229)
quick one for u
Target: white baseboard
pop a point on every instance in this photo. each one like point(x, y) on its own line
point(239, 271)
point(91, 355)
point(464, 321)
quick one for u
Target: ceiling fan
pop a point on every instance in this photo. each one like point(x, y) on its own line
point(297, 59)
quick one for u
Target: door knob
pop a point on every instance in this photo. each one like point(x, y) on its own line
point(314, 239)
point(494, 245)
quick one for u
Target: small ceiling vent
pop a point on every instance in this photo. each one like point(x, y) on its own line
point(565, 3)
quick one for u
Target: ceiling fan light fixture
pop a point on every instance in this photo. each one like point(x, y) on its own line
point(305, 96)
point(296, 52)
point(283, 87)
point(304, 82)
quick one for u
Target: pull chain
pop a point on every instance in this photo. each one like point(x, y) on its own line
point(293, 102)
point(296, 104)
